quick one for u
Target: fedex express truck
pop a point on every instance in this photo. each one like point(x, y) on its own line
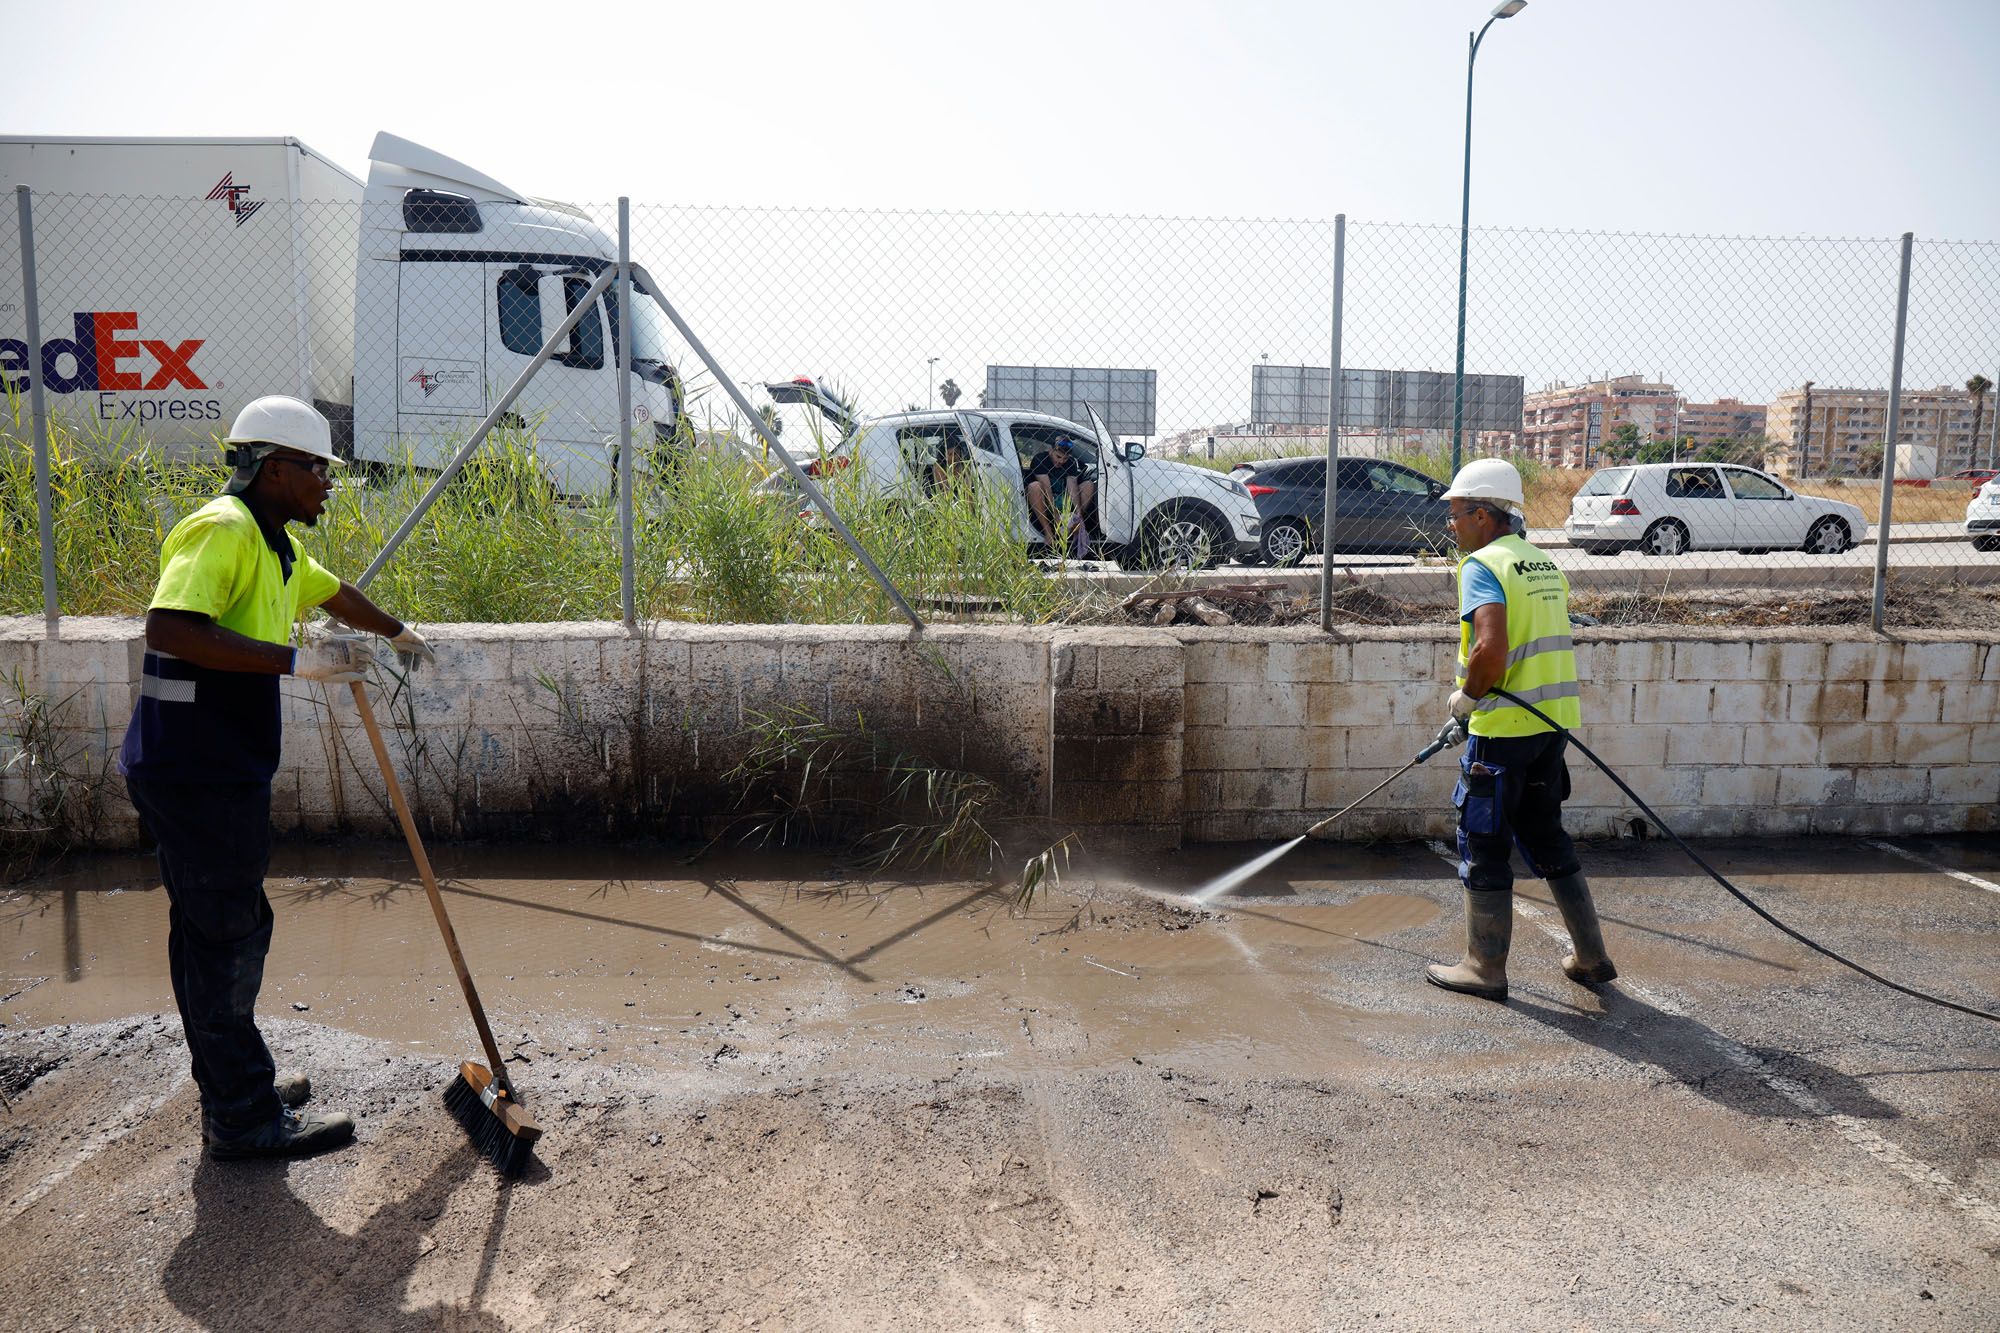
point(180, 278)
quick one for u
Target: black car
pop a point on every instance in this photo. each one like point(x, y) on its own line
point(1381, 508)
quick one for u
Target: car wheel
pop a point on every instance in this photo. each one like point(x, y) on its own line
point(1666, 537)
point(1286, 542)
point(1178, 539)
point(1829, 536)
point(1986, 543)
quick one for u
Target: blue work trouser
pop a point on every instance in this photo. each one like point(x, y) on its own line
point(1509, 795)
point(214, 846)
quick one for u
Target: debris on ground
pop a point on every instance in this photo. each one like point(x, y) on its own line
point(1247, 603)
point(1909, 603)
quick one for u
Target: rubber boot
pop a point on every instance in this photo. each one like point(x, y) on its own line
point(1489, 930)
point(292, 1134)
point(1590, 964)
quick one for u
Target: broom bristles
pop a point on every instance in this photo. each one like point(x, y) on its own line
point(496, 1140)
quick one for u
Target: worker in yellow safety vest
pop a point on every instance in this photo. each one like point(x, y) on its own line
point(203, 745)
point(1514, 635)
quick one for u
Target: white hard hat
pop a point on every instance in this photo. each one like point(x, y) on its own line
point(278, 420)
point(1493, 480)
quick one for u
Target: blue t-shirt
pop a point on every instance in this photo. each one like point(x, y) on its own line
point(1477, 587)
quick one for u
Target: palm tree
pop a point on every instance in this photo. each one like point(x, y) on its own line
point(949, 391)
point(1977, 387)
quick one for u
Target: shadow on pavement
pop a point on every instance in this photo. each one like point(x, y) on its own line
point(259, 1258)
point(1700, 1059)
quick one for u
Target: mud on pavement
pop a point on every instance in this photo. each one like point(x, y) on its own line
point(779, 1100)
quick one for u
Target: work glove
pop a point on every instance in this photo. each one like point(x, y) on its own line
point(1463, 705)
point(336, 661)
point(413, 648)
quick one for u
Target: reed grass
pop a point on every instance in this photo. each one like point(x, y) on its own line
point(501, 545)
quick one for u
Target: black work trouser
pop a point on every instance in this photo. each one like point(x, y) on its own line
point(214, 846)
point(1509, 795)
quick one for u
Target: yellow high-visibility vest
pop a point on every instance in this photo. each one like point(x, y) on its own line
point(1541, 660)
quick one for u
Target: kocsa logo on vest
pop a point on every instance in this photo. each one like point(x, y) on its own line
point(97, 359)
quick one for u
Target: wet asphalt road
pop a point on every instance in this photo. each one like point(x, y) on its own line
point(1257, 1114)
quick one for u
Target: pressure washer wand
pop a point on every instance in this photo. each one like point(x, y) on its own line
point(1452, 734)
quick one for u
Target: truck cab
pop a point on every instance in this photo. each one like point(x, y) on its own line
point(459, 281)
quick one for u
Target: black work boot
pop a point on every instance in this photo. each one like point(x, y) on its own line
point(291, 1134)
point(1489, 930)
point(292, 1087)
point(1590, 964)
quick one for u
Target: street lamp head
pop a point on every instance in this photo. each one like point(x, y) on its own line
point(1507, 9)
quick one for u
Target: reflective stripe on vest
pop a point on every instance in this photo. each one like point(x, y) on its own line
point(167, 691)
point(1541, 660)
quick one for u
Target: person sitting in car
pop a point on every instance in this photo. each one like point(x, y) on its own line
point(949, 467)
point(1059, 494)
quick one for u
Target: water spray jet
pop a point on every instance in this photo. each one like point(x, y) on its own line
point(1451, 734)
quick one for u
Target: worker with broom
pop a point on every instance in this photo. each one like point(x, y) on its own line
point(1514, 635)
point(203, 744)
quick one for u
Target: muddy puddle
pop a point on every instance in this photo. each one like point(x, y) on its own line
point(766, 957)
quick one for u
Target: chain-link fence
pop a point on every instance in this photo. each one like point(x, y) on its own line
point(1011, 414)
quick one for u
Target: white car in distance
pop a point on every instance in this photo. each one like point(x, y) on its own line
point(1671, 508)
point(1982, 517)
point(1148, 513)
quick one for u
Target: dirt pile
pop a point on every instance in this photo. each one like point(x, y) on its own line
point(1911, 602)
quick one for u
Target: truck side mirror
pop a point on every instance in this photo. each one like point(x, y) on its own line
point(1134, 451)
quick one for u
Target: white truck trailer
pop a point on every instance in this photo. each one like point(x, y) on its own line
point(180, 278)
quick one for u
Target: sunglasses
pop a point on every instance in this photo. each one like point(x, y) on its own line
point(317, 466)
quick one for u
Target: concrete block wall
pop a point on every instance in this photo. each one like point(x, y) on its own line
point(1124, 735)
point(574, 729)
point(1116, 717)
point(1722, 732)
point(87, 680)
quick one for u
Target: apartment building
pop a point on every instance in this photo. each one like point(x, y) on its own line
point(1564, 425)
point(1723, 419)
point(1843, 434)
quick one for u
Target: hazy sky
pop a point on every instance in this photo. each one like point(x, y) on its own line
point(1830, 117)
point(1683, 119)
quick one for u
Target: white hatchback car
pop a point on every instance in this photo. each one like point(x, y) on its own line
point(1147, 513)
point(1668, 508)
point(1982, 517)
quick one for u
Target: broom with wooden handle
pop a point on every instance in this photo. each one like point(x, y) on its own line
point(480, 1099)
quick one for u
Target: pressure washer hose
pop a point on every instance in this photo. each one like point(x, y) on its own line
point(1740, 896)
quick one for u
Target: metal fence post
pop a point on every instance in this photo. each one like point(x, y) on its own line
point(1333, 407)
point(1992, 434)
point(1890, 434)
point(45, 512)
point(627, 594)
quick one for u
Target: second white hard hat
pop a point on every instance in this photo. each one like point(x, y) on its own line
point(287, 422)
point(1494, 480)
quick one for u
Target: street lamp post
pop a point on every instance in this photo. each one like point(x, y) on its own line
point(1506, 9)
point(930, 400)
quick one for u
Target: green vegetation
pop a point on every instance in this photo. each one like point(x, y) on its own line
point(59, 785)
point(807, 782)
point(501, 545)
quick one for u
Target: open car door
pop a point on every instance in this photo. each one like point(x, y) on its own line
point(1117, 505)
point(997, 470)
